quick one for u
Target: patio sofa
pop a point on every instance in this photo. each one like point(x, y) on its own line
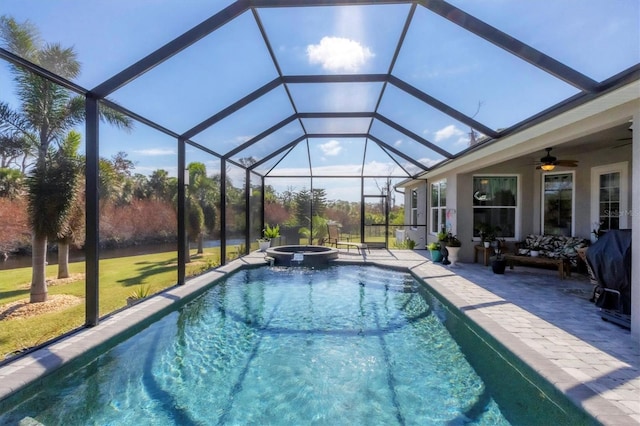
point(554, 250)
point(553, 247)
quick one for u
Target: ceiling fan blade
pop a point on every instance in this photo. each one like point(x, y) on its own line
point(621, 145)
point(566, 163)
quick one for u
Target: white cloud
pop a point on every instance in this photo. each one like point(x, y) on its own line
point(242, 139)
point(155, 152)
point(449, 132)
point(398, 142)
point(331, 148)
point(339, 54)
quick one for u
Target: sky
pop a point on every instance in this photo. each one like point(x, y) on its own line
point(599, 38)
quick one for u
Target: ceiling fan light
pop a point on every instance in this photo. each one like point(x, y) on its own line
point(548, 167)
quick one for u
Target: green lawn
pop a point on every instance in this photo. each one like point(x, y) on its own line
point(119, 278)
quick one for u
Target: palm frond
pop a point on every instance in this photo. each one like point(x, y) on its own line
point(59, 60)
point(12, 123)
point(23, 39)
point(52, 192)
point(116, 118)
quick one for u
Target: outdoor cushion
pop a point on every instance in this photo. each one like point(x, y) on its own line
point(553, 246)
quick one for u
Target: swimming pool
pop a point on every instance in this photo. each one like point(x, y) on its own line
point(341, 345)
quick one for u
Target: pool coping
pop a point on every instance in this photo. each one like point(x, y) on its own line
point(471, 300)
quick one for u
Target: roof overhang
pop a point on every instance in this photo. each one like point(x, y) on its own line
point(605, 111)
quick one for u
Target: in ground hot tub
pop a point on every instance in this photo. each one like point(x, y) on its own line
point(298, 255)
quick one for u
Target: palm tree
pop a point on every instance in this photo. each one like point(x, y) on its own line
point(47, 113)
point(52, 191)
point(201, 194)
point(74, 220)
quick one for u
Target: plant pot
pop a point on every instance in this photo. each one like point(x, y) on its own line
point(534, 253)
point(453, 254)
point(264, 245)
point(498, 266)
point(436, 255)
point(487, 244)
point(275, 242)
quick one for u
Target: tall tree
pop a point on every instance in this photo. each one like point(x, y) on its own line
point(160, 185)
point(319, 200)
point(303, 207)
point(10, 182)
point(73, 224)
point(196, 194)
point(47, 112)
point(14, 148)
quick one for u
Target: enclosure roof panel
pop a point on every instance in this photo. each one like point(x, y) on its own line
point(268, 82)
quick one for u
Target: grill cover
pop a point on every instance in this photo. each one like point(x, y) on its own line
point(610, 260)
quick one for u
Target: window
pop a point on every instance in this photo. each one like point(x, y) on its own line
point(414, 209)
point(438, 206)
point(558, 204)
point(609, 208)
point(495, 204)
point(609, 190)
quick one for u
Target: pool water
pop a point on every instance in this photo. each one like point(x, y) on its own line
point(348, 345)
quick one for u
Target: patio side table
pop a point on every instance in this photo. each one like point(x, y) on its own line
point(486, 253)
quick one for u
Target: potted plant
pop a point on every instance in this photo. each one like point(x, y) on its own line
point(267, 234)
point(434, 249)
point(498, 262)
point(453, 247)
point(410, 244)
point(486, 233)
point(264, 244)
point(534, 251)
point(271, 233)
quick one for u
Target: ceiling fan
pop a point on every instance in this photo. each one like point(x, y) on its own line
point(549, 162)
point(624, 139)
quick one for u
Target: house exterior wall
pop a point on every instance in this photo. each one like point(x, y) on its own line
point(584, 224)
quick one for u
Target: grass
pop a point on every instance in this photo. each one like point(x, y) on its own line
point(119, 278)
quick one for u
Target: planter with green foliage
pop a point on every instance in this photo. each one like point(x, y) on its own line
point(453, 245)
point(269, 235)
point(271, 232)
point(434, 249)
